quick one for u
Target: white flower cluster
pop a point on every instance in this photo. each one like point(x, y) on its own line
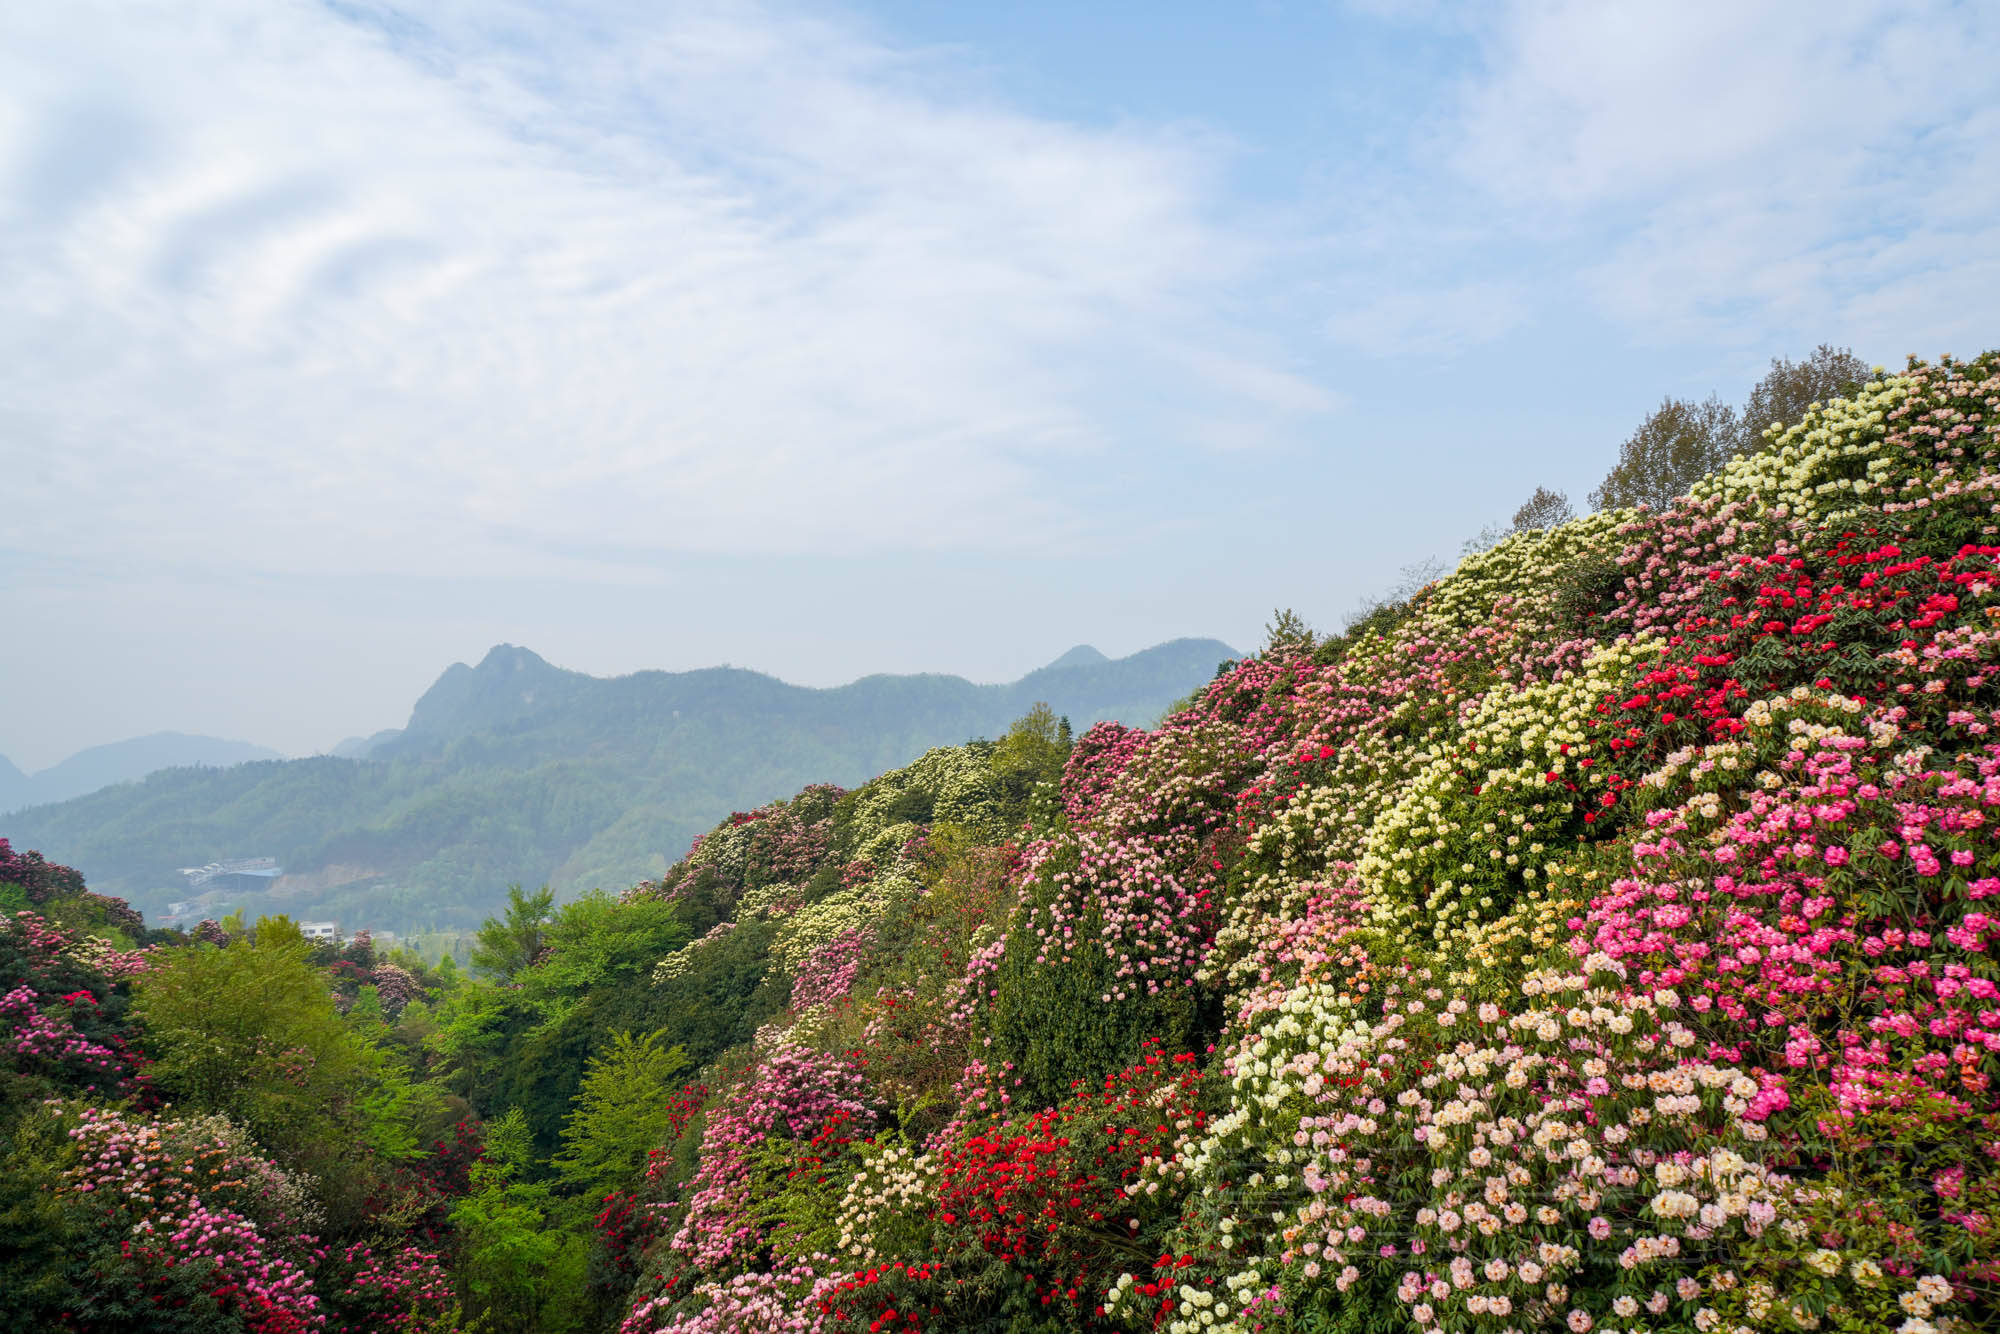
point(1521, 570)
point(842, 911)
point(1567, 1116)
point(957, 779)
point(682, 960)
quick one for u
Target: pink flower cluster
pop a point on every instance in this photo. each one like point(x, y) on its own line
point(396, 986)
point(62, 1008)
point(187, 1199)
point(826, 975)
point(1137, 878)
point(38, 1036)
point(790, 1092)
point(1833, 924)
point(784, 1300)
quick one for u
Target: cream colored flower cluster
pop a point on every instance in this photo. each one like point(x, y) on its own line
point(1521, 573)
point(1848, 453)
point(1482, 817)
point(1704, 775)
point(844, 910)
point(959, 782)
point(894, 1184)
point(1832, 460)
point(682, 961)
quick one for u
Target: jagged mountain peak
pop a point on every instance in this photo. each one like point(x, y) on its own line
point(509, 683)
point(512, 658)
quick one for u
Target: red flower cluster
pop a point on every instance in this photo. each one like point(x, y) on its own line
point(1854, 616)
point(1048, 1194)
point(891, 1285)
point(627, 1227)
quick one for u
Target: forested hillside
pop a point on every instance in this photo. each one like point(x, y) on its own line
point(1597, 940)
point(516, 771)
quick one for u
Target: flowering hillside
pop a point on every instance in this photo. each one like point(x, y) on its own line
point(1598, 941)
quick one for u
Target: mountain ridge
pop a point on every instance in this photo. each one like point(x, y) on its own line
point(510, 673)
point(514, 769)
point(97, 767)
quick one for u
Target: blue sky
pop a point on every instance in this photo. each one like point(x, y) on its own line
point(345, 340)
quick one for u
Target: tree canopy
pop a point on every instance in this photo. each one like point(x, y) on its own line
point(1679, 442)
point(622, 1112)
point(1682, 440)
point(509, 944)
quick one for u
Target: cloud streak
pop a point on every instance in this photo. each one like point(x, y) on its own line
point(368, 291)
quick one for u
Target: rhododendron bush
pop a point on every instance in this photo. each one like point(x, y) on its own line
point(199, 1218)
point(64, 1010)
point(123, 1211)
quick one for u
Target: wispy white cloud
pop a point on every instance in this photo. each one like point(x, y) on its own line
point(388, 290)
point(1701, 171)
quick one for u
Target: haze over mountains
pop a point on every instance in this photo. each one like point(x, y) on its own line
point(119, 762)
point(520, 771)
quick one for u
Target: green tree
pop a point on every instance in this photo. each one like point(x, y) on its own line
point(1032, 752)
point(508, 1145)
point(525, 1045)
point(621, 1113)
point(1790, 387)
point(1682, 441)
point(1287, 632)
point(280, 933)
point(596, 941)
point(249, 1029)
point(1675, 446)
point(48, 1239)
point(520, 1271)
point(1543, 509)
point(507, 946)
point(366, 1012)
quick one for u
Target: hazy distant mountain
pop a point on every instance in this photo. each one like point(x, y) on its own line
point(14, 786)
point(1083, 655)
point(524, 706)
point(360, 747)
point(120, 762)
point(520, 771)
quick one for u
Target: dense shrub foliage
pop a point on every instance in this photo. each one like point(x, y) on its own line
point(1601, 939)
